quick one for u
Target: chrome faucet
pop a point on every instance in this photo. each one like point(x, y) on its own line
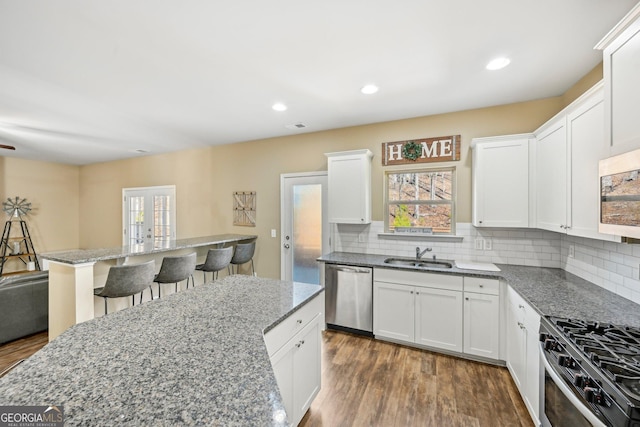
point(419, 254)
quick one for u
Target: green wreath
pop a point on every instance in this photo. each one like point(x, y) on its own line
point(411, 150)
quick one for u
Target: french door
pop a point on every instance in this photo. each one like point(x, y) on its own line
point(148, 215)
point(304, 225)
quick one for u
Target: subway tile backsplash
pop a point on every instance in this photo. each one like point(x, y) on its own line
point(613, 266)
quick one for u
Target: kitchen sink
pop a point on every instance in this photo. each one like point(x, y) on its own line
point(419, 263)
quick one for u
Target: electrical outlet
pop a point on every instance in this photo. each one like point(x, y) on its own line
point(361, 237)
point(479, 243)
point(488, 245)
point(572, 251)
point(273, 232)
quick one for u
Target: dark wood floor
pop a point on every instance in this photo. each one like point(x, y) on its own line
point(366, 382)
point(16, 350)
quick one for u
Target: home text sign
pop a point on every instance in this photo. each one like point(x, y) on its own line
point(426, 150)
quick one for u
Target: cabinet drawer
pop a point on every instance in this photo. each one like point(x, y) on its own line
point(284, 331)
point(521, 308)
point(482, 286)
point(418, 278)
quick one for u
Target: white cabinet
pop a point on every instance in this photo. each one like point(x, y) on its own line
point(621, 68)
point(394, 310)
point(439, 318)
point(419, 308)
point(439, 311)
point(349, 174)
point(294, 351)
point(523, 357)
point(551, 175)
point(500, 183)
point(482, 317)
point(568, 149)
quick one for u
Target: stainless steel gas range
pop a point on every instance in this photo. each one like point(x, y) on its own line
point(591, 373)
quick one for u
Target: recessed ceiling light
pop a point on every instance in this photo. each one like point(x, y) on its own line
point(369, 89)
point(278, 106)
point(498, 63)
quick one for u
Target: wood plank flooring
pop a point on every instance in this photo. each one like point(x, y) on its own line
point(366, 382)
point(22, 348)
point(373, 383)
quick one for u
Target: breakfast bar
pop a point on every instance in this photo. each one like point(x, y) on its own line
point(74, 274)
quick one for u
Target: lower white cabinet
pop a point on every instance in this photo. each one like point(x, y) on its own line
point(523, 357)
point(482, 317)
point(297, 362)
point(441, 311)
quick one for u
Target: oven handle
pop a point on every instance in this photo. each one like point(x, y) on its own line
point(581, 407)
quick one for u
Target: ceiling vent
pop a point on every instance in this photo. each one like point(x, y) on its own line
point(296, 126)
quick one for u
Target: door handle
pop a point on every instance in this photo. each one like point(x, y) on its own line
point(286, 246)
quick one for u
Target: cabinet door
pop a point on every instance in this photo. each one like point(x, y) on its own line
point(621, 74)
point(394, 311)
point(516, 346)
point(306, 369)
point(439, 318)
point(587, 146)
point(481, 325)
point(282, 362)
point(349, 195)
point(551, 177)
point(533, 376)
point(501, 183)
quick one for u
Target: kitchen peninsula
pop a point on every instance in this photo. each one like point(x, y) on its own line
point(73, 274)
point(196, 357)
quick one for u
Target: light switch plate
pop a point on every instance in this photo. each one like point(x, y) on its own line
point(273, 233)
point(478, 243)
point(487, 245)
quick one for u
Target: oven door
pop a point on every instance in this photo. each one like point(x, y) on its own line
point(561, 406)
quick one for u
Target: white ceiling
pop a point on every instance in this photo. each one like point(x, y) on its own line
point(84, 81)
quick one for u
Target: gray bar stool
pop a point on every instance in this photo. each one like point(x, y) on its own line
point(175, 269)
point(244, 254)
point(217, 259)
point(127, 280)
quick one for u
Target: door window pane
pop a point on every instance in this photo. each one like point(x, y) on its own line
point(307, 232)
point(136, 220)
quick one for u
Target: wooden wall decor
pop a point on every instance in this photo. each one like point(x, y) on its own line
point(425, 150)
point(244, 208)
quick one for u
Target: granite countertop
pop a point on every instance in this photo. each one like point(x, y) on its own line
point(196, 357)
point(80, 256)
point(551, 291)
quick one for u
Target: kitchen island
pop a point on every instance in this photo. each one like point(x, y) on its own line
point(74, 274)
point(196, 357)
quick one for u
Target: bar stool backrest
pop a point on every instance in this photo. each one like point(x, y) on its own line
point(175, 269)
point(128, 279)
point(218, 259)
point(243, 253)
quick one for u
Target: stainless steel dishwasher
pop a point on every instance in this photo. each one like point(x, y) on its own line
point(349, 298)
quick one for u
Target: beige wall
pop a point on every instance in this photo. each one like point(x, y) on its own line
point(53, 190)
point(586, 82)
point(205, 178)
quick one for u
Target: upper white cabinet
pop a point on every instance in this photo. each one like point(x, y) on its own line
point(501, 188)
point(621, 62)
point(568, 149)
point(350, 187)
point(551, 175)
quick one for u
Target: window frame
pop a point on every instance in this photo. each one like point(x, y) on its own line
point(452, 202)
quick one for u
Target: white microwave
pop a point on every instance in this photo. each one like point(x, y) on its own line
point(620, 195)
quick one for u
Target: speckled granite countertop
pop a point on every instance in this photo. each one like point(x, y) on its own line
point(80, 256)
point(192, 358)
point(551, 291)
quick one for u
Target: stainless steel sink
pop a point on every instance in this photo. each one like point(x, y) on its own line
point(419, 263)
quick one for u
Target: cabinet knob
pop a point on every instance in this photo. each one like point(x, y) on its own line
point(481, 286)
point(466, 298)
point(411, 291)
point(479, 222)
point(299, 321)
point(520, 306)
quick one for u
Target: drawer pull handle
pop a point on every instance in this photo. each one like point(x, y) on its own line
point(299, 343)
point(299, 321)
point(520, 306)
point(482, 286)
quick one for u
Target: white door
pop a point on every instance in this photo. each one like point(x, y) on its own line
point(304, 225)
point(148, 215)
